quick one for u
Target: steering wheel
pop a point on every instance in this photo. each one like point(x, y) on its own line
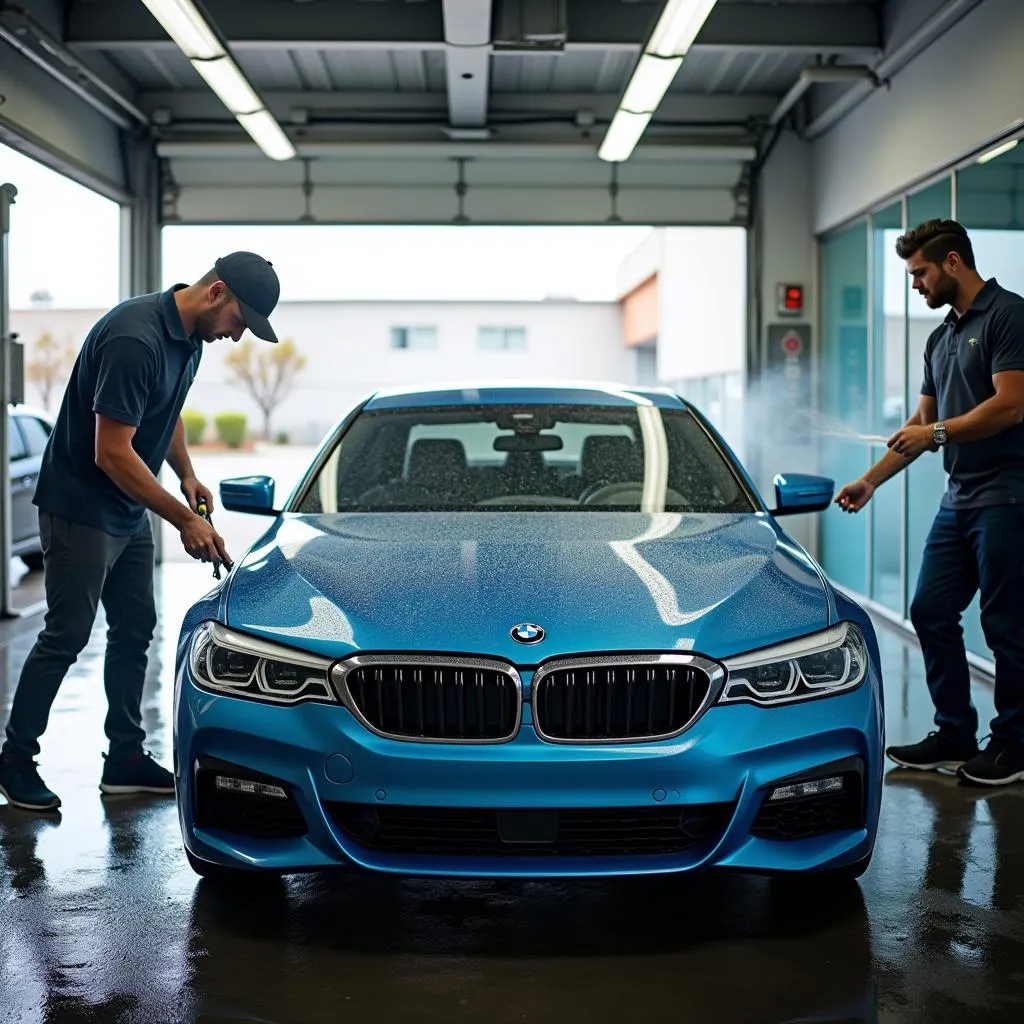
point(606, 494)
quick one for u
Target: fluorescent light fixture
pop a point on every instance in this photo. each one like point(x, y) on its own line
point(673, 35)
point(678, 27)
point(267, 134)
point(998, 151)
point(194, 36)
point(649, 84)
point(187, 27)
point(623, 134)
point(224, 78)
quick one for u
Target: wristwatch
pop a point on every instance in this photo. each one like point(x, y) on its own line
point(939, 435)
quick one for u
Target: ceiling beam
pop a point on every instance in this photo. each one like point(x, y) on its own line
point(844, 29)
point(670, 153)
point(467, 34)
point(118, 23)
point(307, 109)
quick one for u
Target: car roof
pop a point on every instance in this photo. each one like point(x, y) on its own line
point(17, 409)
point(524, 393)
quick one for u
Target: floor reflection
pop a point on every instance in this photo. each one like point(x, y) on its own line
point(102, 920)
point(654, 949)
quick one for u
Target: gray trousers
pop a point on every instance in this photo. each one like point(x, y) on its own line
point(83, 567)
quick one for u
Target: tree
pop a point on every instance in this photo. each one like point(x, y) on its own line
point(49, 366)
point(268, 376)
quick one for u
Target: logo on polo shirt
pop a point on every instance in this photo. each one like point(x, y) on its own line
point(972, 342)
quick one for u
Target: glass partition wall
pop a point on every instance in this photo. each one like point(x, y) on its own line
point(871, 357)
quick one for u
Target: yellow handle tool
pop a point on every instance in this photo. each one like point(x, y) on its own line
point(204, 511)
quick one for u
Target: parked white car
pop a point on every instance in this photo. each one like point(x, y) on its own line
point(29, 431)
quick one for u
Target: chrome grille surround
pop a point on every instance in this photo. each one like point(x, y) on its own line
point(715, 673)
point(449, 664)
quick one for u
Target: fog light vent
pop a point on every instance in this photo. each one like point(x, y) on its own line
point(813, 807)
point(249, 787)
point(233, 798)
point(816, 787)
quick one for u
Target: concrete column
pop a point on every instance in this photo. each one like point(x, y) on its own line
point(140, 244)
point(782, 388)
point(141, 221)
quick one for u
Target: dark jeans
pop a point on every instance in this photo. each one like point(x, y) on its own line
point(966, 550)
point(83, 567)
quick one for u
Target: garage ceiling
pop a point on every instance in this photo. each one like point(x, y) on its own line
point(442, 111)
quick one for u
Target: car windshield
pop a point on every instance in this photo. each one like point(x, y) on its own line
point(525, 458)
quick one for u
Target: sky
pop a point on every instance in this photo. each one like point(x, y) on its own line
point(65, 239)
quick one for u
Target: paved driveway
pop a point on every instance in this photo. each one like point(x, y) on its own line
point(284, 463)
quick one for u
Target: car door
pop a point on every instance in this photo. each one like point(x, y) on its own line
point(24, 473)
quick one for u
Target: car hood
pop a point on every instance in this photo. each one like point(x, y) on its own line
point(459, 582)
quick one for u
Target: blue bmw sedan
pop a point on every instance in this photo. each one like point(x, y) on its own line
point(527, 631)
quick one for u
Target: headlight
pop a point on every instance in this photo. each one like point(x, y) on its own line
point(813, 666)
point(244, 666)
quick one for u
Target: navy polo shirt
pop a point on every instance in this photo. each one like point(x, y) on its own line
point(136, 366)
point(960, 358)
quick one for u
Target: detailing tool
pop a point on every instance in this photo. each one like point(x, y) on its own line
point(204, 510)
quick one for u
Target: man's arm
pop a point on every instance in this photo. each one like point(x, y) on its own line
point(1003, 410)
point(116, 456)
point(854, 496)
point(892, 462)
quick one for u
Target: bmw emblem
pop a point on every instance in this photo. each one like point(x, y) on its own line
point(527, 633)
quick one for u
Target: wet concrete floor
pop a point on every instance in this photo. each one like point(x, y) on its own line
point(101, 919)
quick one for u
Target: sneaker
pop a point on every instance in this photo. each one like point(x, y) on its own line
point(934, 751)
point(21, 785)
point(139, 774)
point(997, 765)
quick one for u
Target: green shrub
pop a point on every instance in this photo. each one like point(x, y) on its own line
point(231, 428)
point(195, 425)
point(282, 437)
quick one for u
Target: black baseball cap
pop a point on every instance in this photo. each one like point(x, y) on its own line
point(253, 281)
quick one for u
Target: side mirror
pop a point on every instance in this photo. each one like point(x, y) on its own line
point(253, 494)
point(802, 492)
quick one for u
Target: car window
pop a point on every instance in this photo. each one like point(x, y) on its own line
point(15, 442)
point(540, 457)
point(36, 432)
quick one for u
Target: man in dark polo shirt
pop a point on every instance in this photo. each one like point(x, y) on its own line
point(118, 423)
point(972, 409)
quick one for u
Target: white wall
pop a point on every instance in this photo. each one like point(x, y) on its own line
point(963, 92)
point(644, 261)
point(703, 303)
point(68, 328)
point(347, 346)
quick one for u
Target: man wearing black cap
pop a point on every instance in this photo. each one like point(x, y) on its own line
point(119, 421)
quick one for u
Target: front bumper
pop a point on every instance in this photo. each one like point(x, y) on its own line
point(693, 802)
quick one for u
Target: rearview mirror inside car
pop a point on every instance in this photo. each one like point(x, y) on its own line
point(528, 443)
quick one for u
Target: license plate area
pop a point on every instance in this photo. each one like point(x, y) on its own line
point(528, 826)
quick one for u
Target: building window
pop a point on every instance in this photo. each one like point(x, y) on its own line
point(414, 337)
point(844, 382)
point(493, 339)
